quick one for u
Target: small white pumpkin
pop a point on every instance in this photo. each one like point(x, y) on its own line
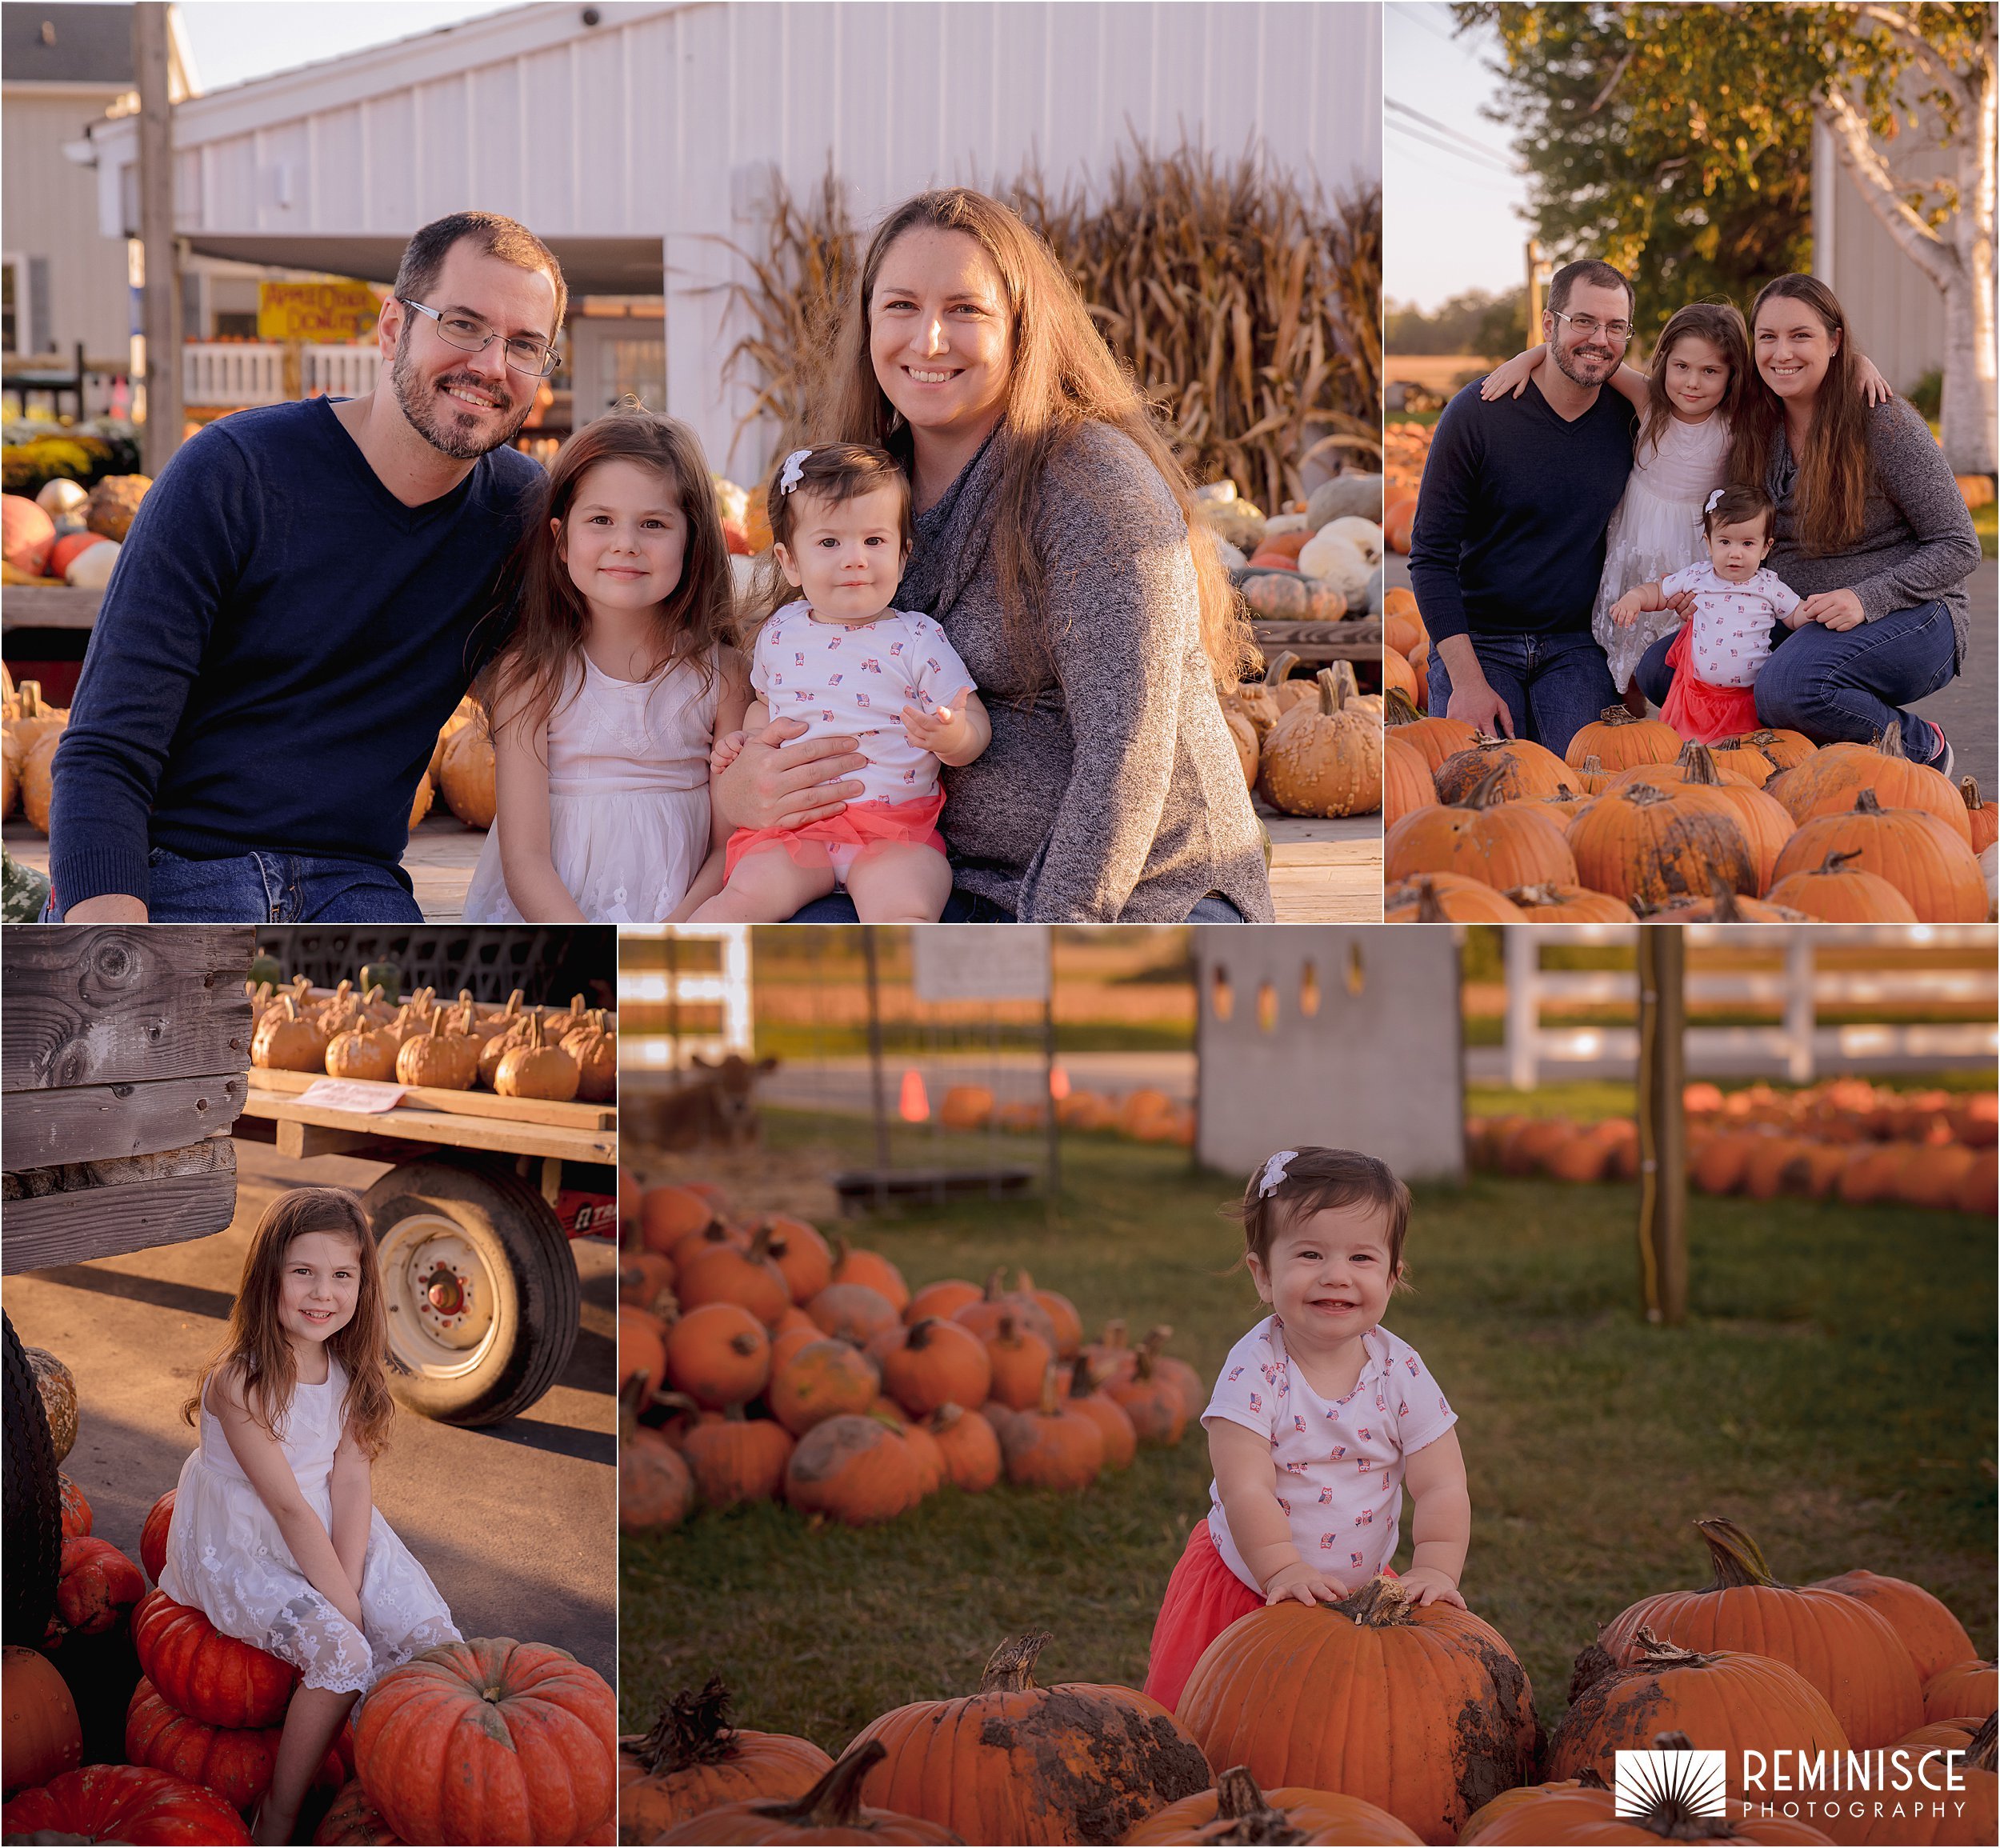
point(1337, 560)
point(1365, 536)
point(60, 497)
point(90, 569)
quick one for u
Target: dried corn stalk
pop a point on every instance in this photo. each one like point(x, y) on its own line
point(1247, 305)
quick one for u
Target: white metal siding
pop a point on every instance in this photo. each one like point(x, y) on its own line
point(48, 209)
point(664, 121)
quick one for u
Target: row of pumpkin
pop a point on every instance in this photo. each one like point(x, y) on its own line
point(491, 1740)
point(360, 1033)
point(759, 1363)
point(1143, 1115)
point(1378, 1721)
point(1635, 822)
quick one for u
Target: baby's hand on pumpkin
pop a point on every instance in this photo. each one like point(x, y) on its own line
point(1425, 1586)
point(1302, 1582)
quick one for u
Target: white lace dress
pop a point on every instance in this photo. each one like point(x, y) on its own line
point(1655, 531)
point(628, 799)
point(225, 1556)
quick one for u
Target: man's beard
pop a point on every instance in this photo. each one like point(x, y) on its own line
point(418, 399)
point(1566, 363)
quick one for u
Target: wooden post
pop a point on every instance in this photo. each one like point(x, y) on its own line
point(1534, 291)
point(1054, 1184)
point(875, 1066)
point(1662, 963)
point(163, 409)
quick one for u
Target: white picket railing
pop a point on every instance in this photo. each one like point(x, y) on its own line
point(238, 374)
point(1798, 1047)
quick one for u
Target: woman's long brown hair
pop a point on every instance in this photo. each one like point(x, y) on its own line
point(541, 658)
point(254, 1348)
point(1831, 499)
point(1721, 324)
point(1062, 376)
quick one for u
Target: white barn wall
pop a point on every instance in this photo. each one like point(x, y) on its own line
point(665, 121)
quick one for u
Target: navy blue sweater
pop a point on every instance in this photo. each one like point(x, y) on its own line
point(1510, 533)
point(279, 643)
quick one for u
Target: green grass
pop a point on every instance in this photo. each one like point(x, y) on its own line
point(901, 1038)
point(1986, 522)
point(1833, 1391)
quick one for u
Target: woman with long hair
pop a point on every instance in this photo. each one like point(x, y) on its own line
point(1871, 531)
point(1057, 545)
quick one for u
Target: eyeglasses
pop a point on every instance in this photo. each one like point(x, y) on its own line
point(1588, 326)
point(535, 357)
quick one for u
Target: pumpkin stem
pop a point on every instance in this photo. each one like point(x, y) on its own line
point(919, 1335)
point(1398, 708)
point(1889, 742)
point(945, 1416)
point(1866, 803)
point(1381, 1604)
point(1051, 1403)
point(1280, 665)
point(1837, 862)
point(1337, 686)
point(1082, 1384)
point(1236, 1794)
point(1650, 1651)
point(996, 1284)
point(1011, 1668)
point(760, 1246)
point(1724, 910)
point(1643, 795)
point(1736, 1557)
point(1980, 1748)
point(693, 1728)
point(1697, 765)
point(1430, 910)
point(1243, 1815)
point(1486, 793)
point(1618, 715)
point(834, 1801)
point(1969, 788)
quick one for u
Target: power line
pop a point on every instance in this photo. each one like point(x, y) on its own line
point(1445, 146)
point(1479, 147)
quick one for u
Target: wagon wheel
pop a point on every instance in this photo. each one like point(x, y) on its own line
point(480, 1289)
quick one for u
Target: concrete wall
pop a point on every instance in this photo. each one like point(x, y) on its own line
point(1376, 1067)
point(49, 209)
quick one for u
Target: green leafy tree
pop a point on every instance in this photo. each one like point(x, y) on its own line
point(1479, 322)
point(1676, 143)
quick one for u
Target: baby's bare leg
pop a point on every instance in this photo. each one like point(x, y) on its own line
point(768, 886)
point(900, 883)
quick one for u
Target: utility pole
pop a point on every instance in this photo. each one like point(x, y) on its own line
point(162, 317)
point(1663, 960)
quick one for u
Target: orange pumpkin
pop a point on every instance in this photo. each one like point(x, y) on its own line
point(735, 1459)
point(1647, 848)
point(1434, 739)
point(1051, 1447)
point(1840, 1644)
point(1066, 1325)
point(1405, 780)
point(1499, 843)
point(1237, 1810)
point(1559, 904)
point(1966, 1690)
point(1728, 1699)
point(852, 1312)
point(719, 1355)
point(1403, 629)
point(1828, 782)
point(751, 1279)
point(669, 1215)
point(1581, 1810)
point(1696, 778)
point(1910, 848)
point(1839, 892)
point(1277, 1692)
point(1016, 1762)
point(641, 1349)
point(1758, 756)
point(971, 1447)
point(932, 1363)
point(1619, 739)
point(831, 1811)
point(824, 1379)
point(235, 1762)
point(1156, 1407)
point(489, 1740)
point(1397, 675)
point(856, 1469)
point(1982, 817)
point(1447, 899)
point(1529, 770)
point(1324, 759)
point(41, 1737)
point(1398, 522)
point(1970, 1818)
point(944, 1298)
point(1723, 906)
point(213, 1676)
point(872, 1271)
point(656, 1488)
point(693, 1761)
point(121, 1803)
point(804, 1258)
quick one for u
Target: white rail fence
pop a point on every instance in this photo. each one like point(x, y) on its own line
point(238, 373)
point(1798, 1048)
point(727, 986)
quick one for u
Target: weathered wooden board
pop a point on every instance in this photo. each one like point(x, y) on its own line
point(571, 1116)
point(108, 1004)
point(403, 1124)
point(89, 1209)
point(49, 606)
point(99, 1122)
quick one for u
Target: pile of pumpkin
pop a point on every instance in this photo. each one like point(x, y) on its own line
point(1144, 1115)
point(762, 1362)
point(352, 1032)
point(1372, 1720)
point(1309, 747)
point(30, 729)
point(1406, 449)
point(1633, 822)
point(1817, 1144)
point(67, 534)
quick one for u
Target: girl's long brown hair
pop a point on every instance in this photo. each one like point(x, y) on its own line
point(254, 1348)
point(1721, 324)
point(541, 658)
point(1830, 500)
point(1062, 376)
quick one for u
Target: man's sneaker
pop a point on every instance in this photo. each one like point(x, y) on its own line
point(1943, 762)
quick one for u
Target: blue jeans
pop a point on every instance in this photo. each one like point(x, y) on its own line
point(969, 908)
point(1554, 685)
point(268, 888)
point(1845, 686)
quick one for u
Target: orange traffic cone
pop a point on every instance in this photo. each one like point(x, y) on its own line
point(914, 1107)
point(1058, 1083)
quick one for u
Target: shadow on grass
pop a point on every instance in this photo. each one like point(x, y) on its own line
point(1832, 1392)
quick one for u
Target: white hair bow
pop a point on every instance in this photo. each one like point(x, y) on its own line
point(794, 470)
point(1708, 507)
point(1274, 1174)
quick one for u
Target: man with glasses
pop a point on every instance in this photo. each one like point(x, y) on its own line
point(300, 604)
point(1509, 540)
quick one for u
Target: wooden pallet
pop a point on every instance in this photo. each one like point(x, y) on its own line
point(453, 1119)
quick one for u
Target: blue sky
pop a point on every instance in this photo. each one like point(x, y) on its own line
point(1450, 218)
point(233, 40)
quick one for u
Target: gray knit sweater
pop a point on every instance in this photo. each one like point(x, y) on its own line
point(1111, 791)
point(1917, 542)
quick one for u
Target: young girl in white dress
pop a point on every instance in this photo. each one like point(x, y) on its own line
point(1690, 407)
point(275, 1536)
point(607, 696)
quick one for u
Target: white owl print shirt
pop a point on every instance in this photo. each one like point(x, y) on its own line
point(1340, 1461)
point(853, 680)
point(1730, 637)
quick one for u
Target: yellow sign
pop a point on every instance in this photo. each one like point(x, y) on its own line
point(320, 311)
